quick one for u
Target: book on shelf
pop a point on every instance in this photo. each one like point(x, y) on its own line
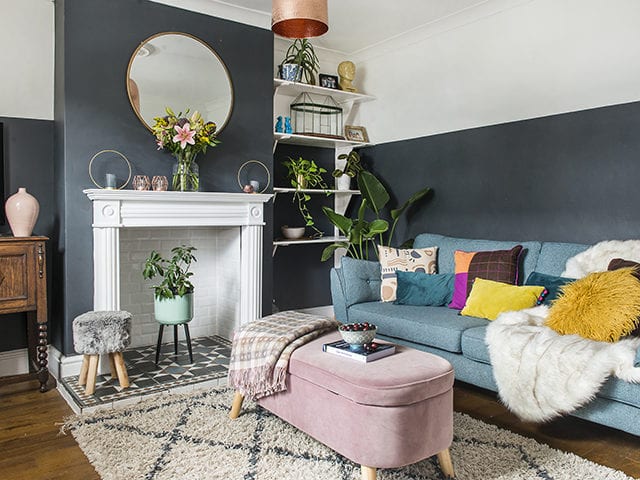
point(341, 348)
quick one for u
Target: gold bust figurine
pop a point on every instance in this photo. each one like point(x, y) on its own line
point(347, 72)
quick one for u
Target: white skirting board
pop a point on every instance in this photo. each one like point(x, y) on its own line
point(14, 362)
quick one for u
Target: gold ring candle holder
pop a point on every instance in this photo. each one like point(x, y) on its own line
point(110, 178)
point(252, 183)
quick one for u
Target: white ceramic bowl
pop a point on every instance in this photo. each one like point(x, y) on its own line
point(358, 337)
point(293, 232)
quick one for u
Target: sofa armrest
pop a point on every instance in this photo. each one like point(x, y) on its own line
point(357, 281)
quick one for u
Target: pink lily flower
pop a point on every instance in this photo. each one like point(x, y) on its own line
point(185, 135)
point(160, 144)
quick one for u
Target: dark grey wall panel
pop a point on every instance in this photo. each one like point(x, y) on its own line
point(570, 177)
point(300, 279)
point(28, 158)
point(93, 113)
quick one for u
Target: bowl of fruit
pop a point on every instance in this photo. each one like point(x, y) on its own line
point(357, 335)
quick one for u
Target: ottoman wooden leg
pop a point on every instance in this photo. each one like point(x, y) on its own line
point(123, 378)
point(91, 374)
point(238, 398)
point(112, 367)
point(446, 465)
point(84, 369)
point(368, 473)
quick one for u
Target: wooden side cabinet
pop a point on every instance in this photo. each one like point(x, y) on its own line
point(23, 288)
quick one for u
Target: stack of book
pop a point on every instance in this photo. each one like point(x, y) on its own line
point(342, 349)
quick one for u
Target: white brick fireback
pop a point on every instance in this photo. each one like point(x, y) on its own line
point(216, 279)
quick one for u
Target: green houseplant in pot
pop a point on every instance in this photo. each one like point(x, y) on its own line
point(305, 174)
point(173, 297)
point(361, 230)
point(300, 60)
point(352, 167)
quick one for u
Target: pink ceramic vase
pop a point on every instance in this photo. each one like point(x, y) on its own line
point(22, 211)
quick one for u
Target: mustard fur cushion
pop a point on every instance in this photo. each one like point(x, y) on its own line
point(488, 298)
point(602, 306)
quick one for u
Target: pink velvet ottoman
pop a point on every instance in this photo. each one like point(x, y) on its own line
point(384, 414)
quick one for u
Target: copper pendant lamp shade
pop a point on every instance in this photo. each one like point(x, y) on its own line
point(299, 18)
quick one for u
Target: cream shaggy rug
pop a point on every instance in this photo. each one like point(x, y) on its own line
point(190, 436)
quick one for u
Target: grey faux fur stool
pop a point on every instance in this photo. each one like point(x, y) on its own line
point(97, 333)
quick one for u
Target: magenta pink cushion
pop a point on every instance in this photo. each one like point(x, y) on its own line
point(409, 376)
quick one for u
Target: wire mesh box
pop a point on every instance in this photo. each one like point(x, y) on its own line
point(316, 115)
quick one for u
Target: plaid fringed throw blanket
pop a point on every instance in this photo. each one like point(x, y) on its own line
point(261, 350)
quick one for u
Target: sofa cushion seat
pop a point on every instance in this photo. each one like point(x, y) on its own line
point(620, 391)
point(473, 345)
point(438, 327)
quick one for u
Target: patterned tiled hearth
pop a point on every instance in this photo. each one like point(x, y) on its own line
point(173, 373)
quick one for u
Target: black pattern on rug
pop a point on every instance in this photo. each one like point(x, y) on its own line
point(210, 362)
point(192, 437)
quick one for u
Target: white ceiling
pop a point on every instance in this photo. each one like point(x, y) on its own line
point(355, 25)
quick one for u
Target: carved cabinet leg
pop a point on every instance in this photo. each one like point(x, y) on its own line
point(43, 370)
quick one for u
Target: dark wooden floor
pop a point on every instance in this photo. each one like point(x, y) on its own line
point(33, 448)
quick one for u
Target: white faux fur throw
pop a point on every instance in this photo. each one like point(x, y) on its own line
point(597, 257)
point(542, 375)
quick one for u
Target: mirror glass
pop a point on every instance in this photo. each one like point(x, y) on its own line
point(180, 71)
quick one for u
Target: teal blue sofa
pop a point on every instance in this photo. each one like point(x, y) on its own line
point(355, 289)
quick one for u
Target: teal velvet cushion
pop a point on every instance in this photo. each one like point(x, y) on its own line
point(550, 282)
point(361, 280)
point(417, 288)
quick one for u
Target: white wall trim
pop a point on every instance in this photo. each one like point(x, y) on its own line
point(456, 20)
point(217, 8)
point(61, 365)
point(14, 362)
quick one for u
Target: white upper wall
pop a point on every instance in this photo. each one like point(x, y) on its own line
point(27, 39)
point(533, 59)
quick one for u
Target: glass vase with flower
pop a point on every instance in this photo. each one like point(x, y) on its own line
point(184, 137)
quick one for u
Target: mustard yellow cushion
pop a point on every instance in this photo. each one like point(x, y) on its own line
point(602, 306)
point(488, 298)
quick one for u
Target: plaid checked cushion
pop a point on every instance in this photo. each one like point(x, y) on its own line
point(497, 265)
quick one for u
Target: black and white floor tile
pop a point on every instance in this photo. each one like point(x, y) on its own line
point(210, 362)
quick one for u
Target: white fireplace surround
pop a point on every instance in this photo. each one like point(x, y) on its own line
point(116, 209)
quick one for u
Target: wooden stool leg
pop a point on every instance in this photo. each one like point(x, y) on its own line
point(446, 465)
point(121, 368)
point(368, 473)
point(91, 374)
point(112, 367)
point(82, 379)
point(238, 398)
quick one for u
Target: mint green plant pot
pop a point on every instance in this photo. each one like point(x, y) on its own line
point(174, 311)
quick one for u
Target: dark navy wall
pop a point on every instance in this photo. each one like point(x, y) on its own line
point(300, 279)
point(28, 162)
point(94, 42)
point(570, 177)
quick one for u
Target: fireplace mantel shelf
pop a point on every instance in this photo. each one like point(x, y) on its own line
point(132, 208)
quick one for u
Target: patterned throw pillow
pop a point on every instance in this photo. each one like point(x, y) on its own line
point(497, 265)
point(408, 260)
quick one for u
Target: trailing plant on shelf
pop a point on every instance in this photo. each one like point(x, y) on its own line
point(305, 174)
point(301, 53)
point(174, 272)
point(360, 230)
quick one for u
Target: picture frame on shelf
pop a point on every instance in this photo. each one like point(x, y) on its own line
point(356, 133)
point(328, 81)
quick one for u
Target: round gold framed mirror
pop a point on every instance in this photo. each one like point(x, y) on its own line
point(180, 71)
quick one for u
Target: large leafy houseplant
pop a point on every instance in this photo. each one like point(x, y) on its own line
point(301, 53)
point(303, 174)
point(174, 272)
point(360, 231)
